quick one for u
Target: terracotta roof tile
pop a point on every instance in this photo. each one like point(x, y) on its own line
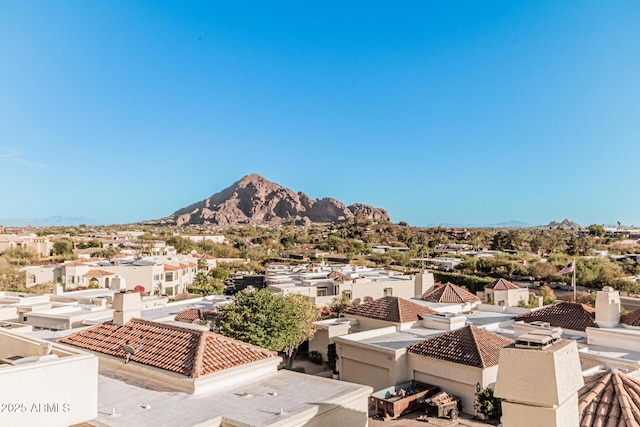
point(169, 267)
point(501, 285)
point(450, 293)
point(341, 277)
point(470, 346)
point(191, 314)
point(390, 309)
point(75, 263)
point(566, 315)
point(610, 399)
point(96, 273)
point(186, 351)
point(631, 319)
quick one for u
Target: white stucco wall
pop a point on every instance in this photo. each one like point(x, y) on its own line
point(59, 392)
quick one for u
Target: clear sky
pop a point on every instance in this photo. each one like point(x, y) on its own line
point(437, 111)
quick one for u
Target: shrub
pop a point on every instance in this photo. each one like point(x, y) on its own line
point(332, 357)
point(488, 405)
point(315, 357)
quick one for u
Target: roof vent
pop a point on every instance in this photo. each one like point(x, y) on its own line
point(537, 341)
point(541, 324)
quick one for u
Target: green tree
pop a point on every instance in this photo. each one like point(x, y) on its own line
point(488, 405)
point(221, 272)
point(182, 245)
point(340, 304)
point(542, 270)
point(202, 264)
point(262, 318)
point(207, 285)
point(548, 296)
point(62, 247)
point(596, 230)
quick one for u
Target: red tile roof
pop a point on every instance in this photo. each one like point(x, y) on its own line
point(501, 285)
point(390, 309)
point(340, 277)
point(75, 263)
point(470, 346)
point(191, 314)
point(566, 315)
point(631, 319)
point(186, 351)
point(97, 273)
point(169, 267)
point(610, 399)
point(450, 293)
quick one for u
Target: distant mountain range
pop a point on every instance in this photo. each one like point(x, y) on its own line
point(255, 200)
point(512, 223)
point(52, 221)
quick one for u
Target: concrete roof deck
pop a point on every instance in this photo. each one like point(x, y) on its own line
point(490, 320)
point(258, 403)
point(393, 340)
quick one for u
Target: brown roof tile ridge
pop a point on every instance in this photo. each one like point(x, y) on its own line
point(625, 401)
point(164, 325)
point(198, 359)
point(464, 295)
point(592, 393)
point(631, 388)
point(475, 338)
point(73, 335)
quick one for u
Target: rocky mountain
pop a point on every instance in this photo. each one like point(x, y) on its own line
point(565, 224)
point(255, 200)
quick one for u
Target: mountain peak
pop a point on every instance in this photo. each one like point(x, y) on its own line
point(566, 223)
point(256, 200)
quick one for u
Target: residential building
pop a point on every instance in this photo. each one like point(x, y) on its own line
point(40, 245)
point(149, 369)
point(504, 293)
point(323, 284)
point(44, 383)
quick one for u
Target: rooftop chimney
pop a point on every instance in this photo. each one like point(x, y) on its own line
point(608, 308)
point(424, 282)
point(126, 305)
point(539, 387)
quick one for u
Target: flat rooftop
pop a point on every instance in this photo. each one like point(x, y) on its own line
point(393, 340)
point(265, 401)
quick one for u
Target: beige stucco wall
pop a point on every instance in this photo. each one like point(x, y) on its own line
point(552, 375)
point(374, 366)
point(459, 380)
point(403, 288)
point(368, 324)
point(507, 297)
point(517, 415)
point(324, 336)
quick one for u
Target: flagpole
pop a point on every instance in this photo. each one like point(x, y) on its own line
point(575, 285)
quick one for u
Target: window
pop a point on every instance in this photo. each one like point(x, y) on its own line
point(168, 291)
point(168, 277)
point(388, 292)
point(322, 292)
point(346, 294)
point(156, 277)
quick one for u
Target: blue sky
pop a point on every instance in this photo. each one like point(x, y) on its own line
point(440, 112)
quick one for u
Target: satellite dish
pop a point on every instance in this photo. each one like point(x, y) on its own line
point(129, 351)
